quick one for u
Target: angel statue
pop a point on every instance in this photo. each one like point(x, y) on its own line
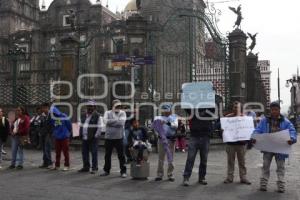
point(253, 38)
point(238, 12)
point(138, 4)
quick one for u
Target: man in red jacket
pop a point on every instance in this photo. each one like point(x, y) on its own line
point(19, 137)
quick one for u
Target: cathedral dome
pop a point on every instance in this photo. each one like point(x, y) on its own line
point(131, 6)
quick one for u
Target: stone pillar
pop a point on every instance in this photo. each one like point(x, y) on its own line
point(136, 27)
point(252, 79)
point(237, 65)
point(69, 70)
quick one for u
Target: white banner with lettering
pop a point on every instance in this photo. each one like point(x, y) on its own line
point(237, 128)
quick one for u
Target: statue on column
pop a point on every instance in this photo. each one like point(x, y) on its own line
point(238, 12)
point(253, 43)
point(138, 4)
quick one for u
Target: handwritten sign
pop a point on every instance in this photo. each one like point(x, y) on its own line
point(198, 95)
point(237, 128)
point(273, 142)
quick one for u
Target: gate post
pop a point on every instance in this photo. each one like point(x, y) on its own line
point(253, 79)
point(237, 66)
point(69, 70)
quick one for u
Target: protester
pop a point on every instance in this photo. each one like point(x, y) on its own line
point(180, 137)
point(268, 125)
point(46, 136)
point(91, 125)
point(166, 126)
point(128, 128)
point(236, 149)
point(62, 131)
point(19, 137)
point(138, 142)
point(35, 127)
point(201, 126)
point(114, 120)
point(4, 132)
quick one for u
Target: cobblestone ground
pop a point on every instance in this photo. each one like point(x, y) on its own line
point(33, 183)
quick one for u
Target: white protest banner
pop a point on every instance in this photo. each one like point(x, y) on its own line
point(237, 128)
point(198, 95)
point(273, 142)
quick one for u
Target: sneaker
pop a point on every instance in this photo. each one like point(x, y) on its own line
point(12, 167)
point(43, 166)
point(228, 181)
point(54, 168)
point(104, 174)
point(186, 182)
point(66, 168)
point(202, 182)
point(19, 167)
point(50, 167)
point(3, 152)
point(83, 170)
point(1, 167)
point(171, 178)
point(281, 190)
point(246, 182)
point(183, 150)
point(124, 175)
point(158, 179)
point(93, 171)
point(263, 188)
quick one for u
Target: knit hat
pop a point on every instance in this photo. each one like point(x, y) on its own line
point(275, 104)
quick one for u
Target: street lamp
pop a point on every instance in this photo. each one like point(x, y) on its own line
point(295, 82)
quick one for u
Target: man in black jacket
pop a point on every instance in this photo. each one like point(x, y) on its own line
point(201, 127)
point(46, 136)
point(4, 132)
point(90, 130)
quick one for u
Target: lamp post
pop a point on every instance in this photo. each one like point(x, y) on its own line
point(295, 82)
point(13, 53)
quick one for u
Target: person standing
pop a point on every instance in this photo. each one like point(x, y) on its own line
point(180, 137)
point(20, 136)
point(268, 125)
point(90, 130)
point(166, 126)
point(62, 131)
point(4, 132)
point(46, 136)
point(114, 120)
point(201, 126)
point(35, 128)
point(236, 149)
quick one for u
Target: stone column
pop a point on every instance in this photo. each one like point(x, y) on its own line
point(237, 65)
point(69, 70)
point(252, 79)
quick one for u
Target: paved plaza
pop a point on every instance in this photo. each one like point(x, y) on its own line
point(34, 183)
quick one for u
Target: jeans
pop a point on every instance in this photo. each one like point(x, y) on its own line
point(62, 146)
point(1, 147)
point(17, 151)
point(267, 160)
point(90, 146)
point(109, 145)
point(195, 144)
point(46, 146)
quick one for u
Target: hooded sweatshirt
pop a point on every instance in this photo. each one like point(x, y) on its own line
point(62, 125)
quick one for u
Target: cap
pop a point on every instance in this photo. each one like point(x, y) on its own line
point(275, 104)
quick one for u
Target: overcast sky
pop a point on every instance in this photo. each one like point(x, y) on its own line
point(278, 33)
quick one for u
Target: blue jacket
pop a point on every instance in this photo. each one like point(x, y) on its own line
point(285, 124)
point(62, 126)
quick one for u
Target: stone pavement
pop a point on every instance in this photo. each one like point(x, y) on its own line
point(33, 183)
